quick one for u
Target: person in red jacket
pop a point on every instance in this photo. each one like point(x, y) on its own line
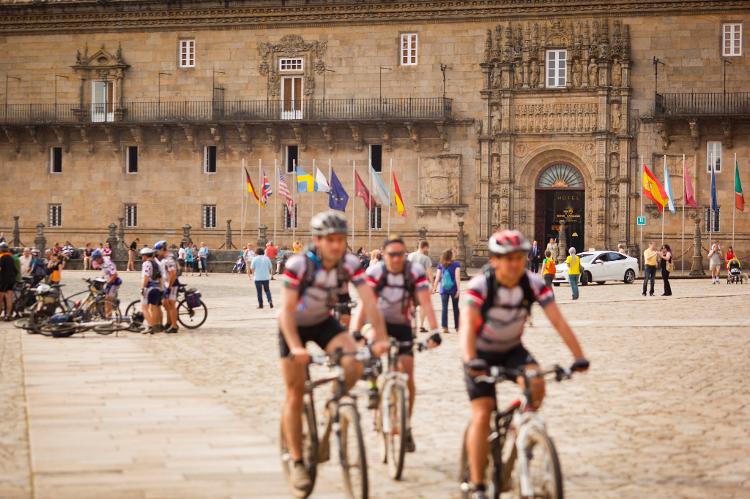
point(729, 256)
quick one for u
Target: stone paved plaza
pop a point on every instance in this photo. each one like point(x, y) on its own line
point(663, 413)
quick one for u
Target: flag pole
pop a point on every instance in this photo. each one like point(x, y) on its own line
point(293, 211)
point(710, 205)
point(734, 201)
point(260, 183)
point(312, 198)
point(640, 244)
point(369, 210)
point(275, 193)
point(684, 199)
point(663, 211)
point(242, 204)
point(390, 175)
point(354, 190)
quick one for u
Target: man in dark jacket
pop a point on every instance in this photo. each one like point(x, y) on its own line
point(8, 276)
point(535, 257)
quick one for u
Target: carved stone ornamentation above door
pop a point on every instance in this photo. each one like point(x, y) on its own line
point(312, 54)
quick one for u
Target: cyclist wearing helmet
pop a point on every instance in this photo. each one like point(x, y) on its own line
point(151, 291)
point(312, 281)
point(109, 273)
point(492, 322)
point(168, 268)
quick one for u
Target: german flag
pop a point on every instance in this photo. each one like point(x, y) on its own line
point(251, 187)
point(653, 190)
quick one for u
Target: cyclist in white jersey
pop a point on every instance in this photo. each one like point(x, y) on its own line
point(169, 283)
point(492, 323)
point(312, 282)
point(109, 273)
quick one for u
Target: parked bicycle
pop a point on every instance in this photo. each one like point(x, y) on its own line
point(191, 310)
point(24, 297)
point(391, 414)
point(522, 456)
point(67, 324)
point(343, 417)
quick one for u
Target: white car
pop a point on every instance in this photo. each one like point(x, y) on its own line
point(600, 267)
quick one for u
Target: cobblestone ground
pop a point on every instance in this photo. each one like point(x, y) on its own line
point(663, 413)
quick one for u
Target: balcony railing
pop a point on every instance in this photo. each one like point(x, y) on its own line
point(400, 109)
point(703, 104)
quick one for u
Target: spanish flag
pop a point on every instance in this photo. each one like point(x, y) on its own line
point(400, 207)
point(653, 190)
point(251, 187)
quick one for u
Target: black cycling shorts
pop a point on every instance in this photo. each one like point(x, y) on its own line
point(515, 358)
point(321, 334)
point(401, 332)
point(152, 296)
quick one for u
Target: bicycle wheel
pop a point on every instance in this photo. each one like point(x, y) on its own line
point(59, 330)
point(352, 452)
point(492, 472)
point(189, 317)
point(393, 409)
point(113, 327)
point(133, 307)
point(545, 474)
point(309, 447)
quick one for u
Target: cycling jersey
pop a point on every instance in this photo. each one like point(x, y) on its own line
point(504, 321)
point(108, 268)
point(167, 264)
point(147, 270)
point(319, 296)
point(392, 302)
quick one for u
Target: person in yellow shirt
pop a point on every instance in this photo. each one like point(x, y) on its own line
point(297, 247)
point(649, 268)
point(574, 271)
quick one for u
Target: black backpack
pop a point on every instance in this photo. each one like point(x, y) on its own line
point(312, 264)
point(492, 285)
point(155, 270)
point(409, 284)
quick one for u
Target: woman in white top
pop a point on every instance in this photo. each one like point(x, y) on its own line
point(714, 262)
point(249, 255)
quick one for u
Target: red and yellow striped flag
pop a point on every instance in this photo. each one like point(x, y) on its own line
point(251, 187)
point(653, 190)
point(400, 207)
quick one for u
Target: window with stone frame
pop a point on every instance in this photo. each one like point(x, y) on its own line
point(376, 218)
point(187, 53)
point(409, 48)
point(557, 70)
point(55, 159)
point(131, 215)
point(713, 155)
point(131, 159)
point(731, 40)
point(209, 159)
point(290, 217)
point(54, 215)
point(209, 216)
point(287, 64)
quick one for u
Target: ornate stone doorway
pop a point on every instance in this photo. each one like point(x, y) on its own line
point(560, 196)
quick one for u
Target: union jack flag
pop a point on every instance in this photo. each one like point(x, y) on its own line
point(265, 191)
point(284, 191)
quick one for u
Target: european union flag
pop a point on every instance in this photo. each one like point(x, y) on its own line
point(337, 196)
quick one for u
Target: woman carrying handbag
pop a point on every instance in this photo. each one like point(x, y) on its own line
point(667, 266)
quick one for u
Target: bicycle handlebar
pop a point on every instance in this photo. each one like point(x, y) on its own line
point(332, 360)
point(419, 345)
point(499, 374)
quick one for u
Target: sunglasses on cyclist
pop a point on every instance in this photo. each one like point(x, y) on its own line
point(395, 254)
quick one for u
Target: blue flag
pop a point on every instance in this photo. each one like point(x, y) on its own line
point(668, 188)
point(337, 196)
point(714, 197)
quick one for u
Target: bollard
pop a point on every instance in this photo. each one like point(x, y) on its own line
point(262, 236)
point(40, 241)
point(696, 266)
point(186, 234)
point(228, 236)
point(462, 250)
point(121, 233)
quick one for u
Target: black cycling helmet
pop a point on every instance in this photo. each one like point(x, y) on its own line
point(327, 223)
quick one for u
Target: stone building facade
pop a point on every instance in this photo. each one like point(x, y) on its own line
point(530, 114)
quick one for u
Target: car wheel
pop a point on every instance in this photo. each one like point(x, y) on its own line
point(629, 276)
point(585, 278)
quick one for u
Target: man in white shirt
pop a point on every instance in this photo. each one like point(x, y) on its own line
point(25, 260)
point(422, 257)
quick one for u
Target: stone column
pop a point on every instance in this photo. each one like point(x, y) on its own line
point(16, 233)
point(112, 240)
point(40, 241)
point(562, 243)
point(422, 233)
point(462, 257)
point(262, 235)
point(228, 236)
point(186, 234)
point(696, 267)
point(121, 232)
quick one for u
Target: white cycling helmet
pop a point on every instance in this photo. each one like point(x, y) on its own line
point(506, 242)
point(327, 223)
point(147, 252)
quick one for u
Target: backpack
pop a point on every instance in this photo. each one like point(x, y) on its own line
point(155, 271)
point(446, 281)
point(549, 266)
point(408, 287)
point(492, 285)
point(312, 264)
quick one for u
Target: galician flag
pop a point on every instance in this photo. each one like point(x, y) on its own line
point(379, 188)
point(739, 197)
point(321, 181)
point(668, 189)
point(400, 207)
point(653, 190)
point(305, 181)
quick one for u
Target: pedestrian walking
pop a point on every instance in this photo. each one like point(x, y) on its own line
point(272, 252)
point(666, 264)
point(552, 247)
point(189, 259)
point(535, 257)
point(548, 269)
point(621, 249)
point(203, 259)
point(297, 247)
point(181, 258)
point(261, 267)
point(714, 262)
point(7, 280)
point(248, 255)
point(446, 283)
point(131, 254)
point(649, 268)
point(25, 260)
point(375, 258)
point(422, 257)
point(574, 271)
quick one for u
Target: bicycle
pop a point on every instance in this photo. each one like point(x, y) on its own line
point(191, 310)
point(65, 325)
point(518, 444)
point(391, 415)
point(345, 420)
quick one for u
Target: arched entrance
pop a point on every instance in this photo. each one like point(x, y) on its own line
point(560, 196)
